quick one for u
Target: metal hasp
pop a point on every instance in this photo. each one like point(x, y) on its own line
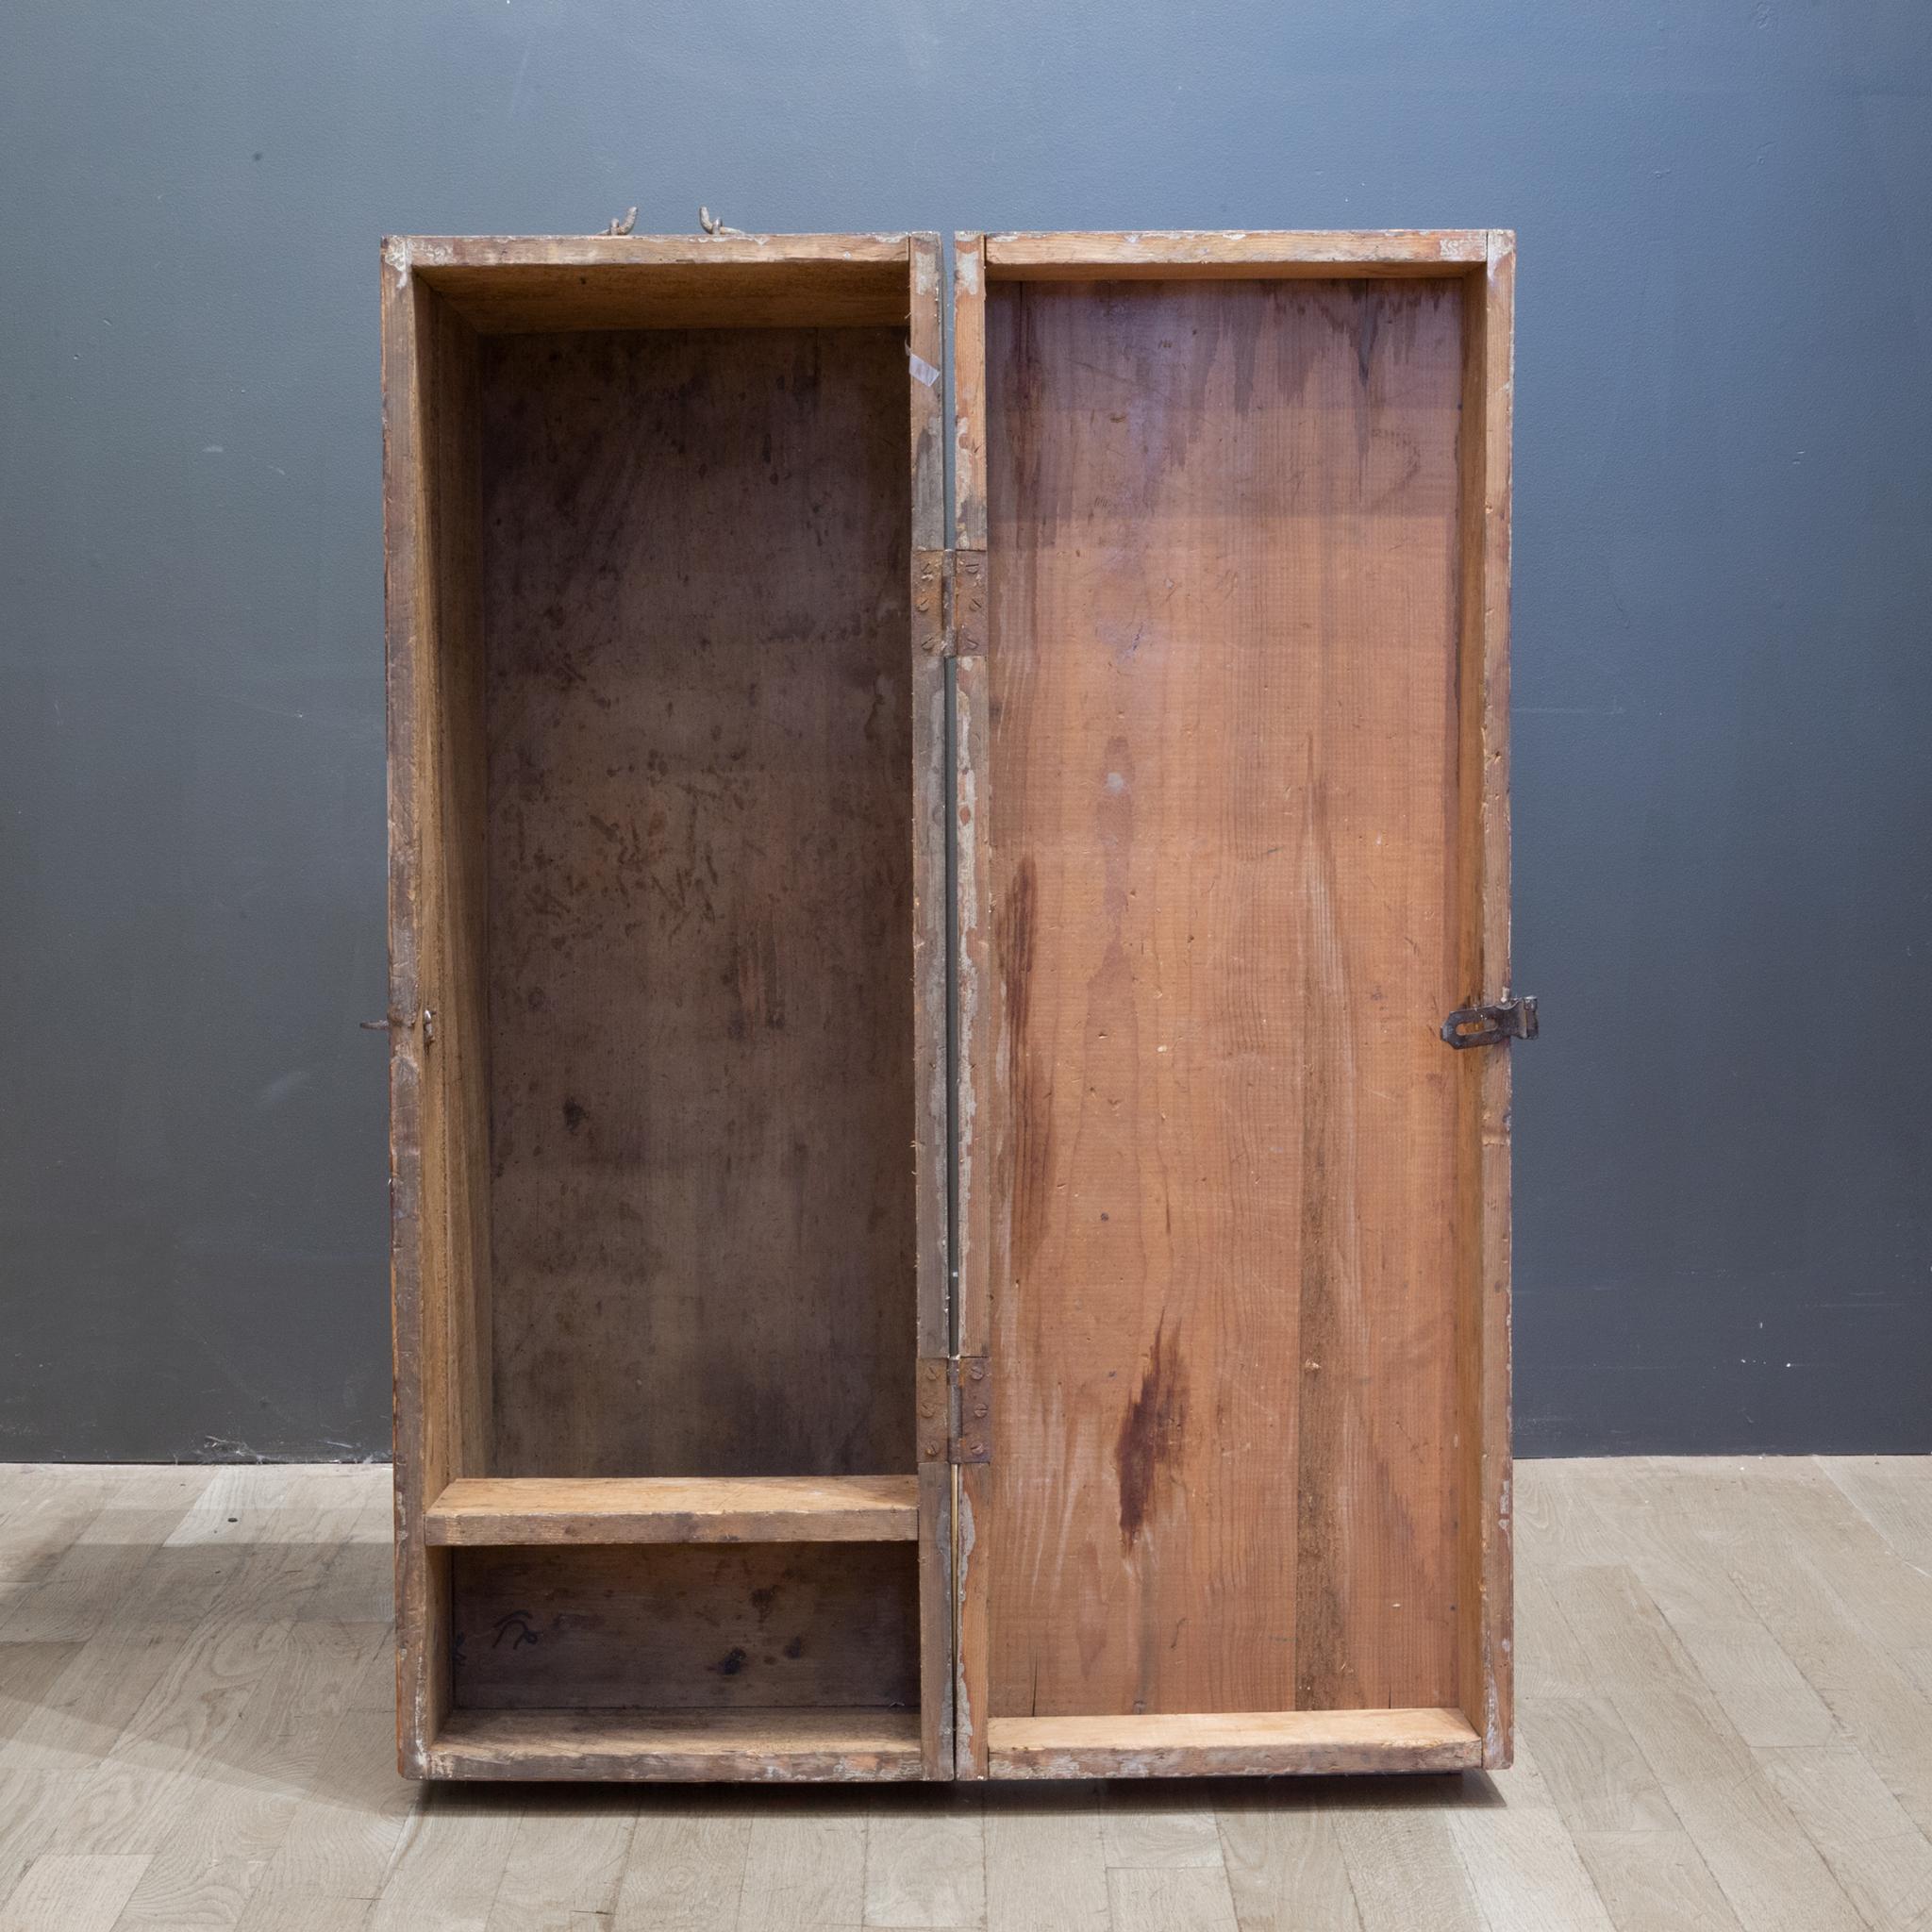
point(1508, 1019)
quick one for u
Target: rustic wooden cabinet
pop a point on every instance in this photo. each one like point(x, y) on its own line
point(936, 1232)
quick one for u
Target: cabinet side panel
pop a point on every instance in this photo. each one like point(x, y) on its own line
point(1223, 534)
point(977, 1106)
point(926, 354)
point(438, 1069)
point(1486, 1664)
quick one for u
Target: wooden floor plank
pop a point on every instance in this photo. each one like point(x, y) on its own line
point(1522, 1864)
point(925, 1860)
point(804, 1866)
point(1766, 1865)
point(1045, 1865)
point(1172, 1898)
point(1284, 1860)
point(1883, 1860)
point(342, 1839)
point(74, 1893)
point(449, 1861)
point(567, 1862)
point(1894, 1495)
point(1172, 1825)
point(1655, 1881)
point(218, 1749)
point(686, 1867)
point(226, 1830)
point(1402, 1867)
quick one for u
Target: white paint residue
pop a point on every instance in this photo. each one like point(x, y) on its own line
point(969, 271)
point(395, 252)
point(923, 371)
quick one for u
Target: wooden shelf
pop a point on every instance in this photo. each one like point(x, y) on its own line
point(496, 1511)
point(1257, 1743)
point(689, 1745)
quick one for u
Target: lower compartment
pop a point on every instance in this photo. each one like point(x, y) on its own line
point(817, 1630)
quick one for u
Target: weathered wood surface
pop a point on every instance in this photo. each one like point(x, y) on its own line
point(1222, 528)
point(969, 390)
point(682, 1746)
point(501, 1511)
point(1244, 1744)
point(687, 1626)
point(925, 360)
point(520, 283)
point(1180, 254)
point(1483, 1259)
point(975, 1001)
point(440, 1243)
point(701, 903)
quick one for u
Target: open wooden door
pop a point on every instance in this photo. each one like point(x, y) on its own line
point(1232, 806)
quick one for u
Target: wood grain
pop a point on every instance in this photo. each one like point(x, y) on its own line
point(763, 1746)
point(1483, 1320)
point(440, 1247)
point(700, 903)
point(692, 1626)
point(1221, 806)
point(969, 390)
point(1244, 1744)
point(505, 284)
point(483, 1512)
point(930, 837)
point(1182, 255)
point(975, 1010)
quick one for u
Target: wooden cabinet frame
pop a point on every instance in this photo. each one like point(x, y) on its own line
point(1471, 1726)
point(872, 1524)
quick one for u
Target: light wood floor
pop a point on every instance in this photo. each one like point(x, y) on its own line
point(1725, 1689)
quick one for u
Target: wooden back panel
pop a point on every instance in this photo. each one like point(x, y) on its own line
point(696, 579)
point(1223, 812)
point(670, 1626)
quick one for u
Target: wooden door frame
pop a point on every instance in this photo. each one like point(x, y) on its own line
point(437, 295)
point(1480, 1733)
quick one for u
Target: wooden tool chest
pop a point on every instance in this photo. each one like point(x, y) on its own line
point(936, 1229)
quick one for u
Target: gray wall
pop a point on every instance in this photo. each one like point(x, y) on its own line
point(1723, 674)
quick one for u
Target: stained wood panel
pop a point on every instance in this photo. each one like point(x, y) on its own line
point(1222, 529)
point(436, 893)
point(1253, 1743)
point(687, 1626)
point(515, 284)
point(682, 1746)
point(499, 1511)
point(696, 595)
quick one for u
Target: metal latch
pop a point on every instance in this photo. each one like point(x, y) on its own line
point(955, 1409)
point(1508, 1019)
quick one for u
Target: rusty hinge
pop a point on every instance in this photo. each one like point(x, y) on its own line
point(949, 602)
point(966, 611)
point(955, 1409)
point(1507, 1019)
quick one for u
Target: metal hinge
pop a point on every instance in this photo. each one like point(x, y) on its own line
point(955, 1409)
point(966, 604)
point(1509, 1018)
point(949, 602)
